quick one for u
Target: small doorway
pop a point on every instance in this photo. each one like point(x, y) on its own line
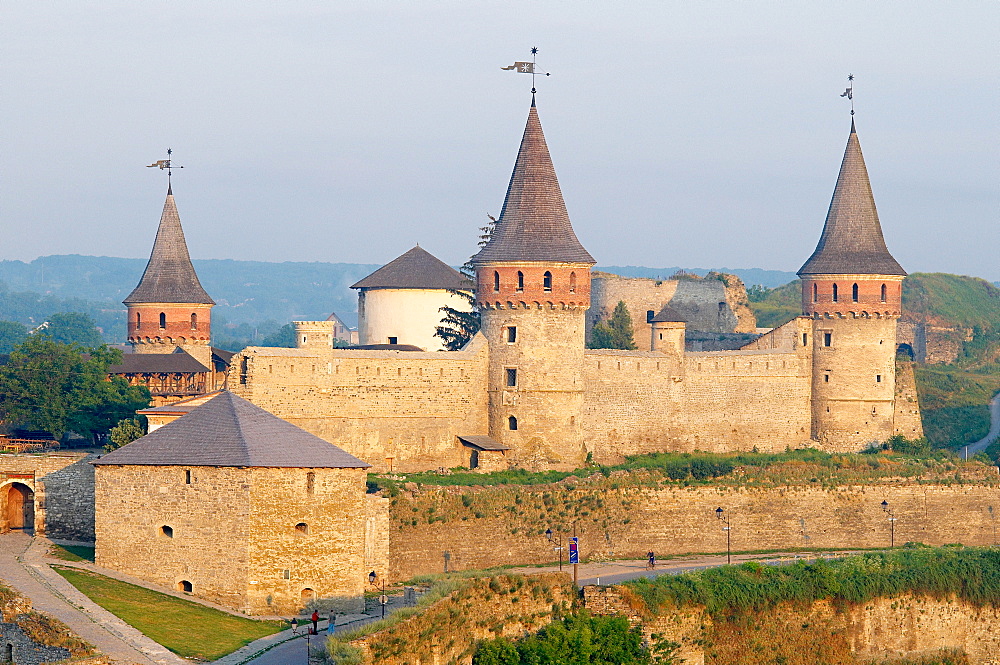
point(20, 507)
point(308, 595)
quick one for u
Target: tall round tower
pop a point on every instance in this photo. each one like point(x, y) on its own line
point(852, 289)
point(169, 308)
point(533, 291)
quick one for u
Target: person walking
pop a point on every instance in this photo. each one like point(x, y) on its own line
point(315, 620)
point(652, 560)
point(331, 624)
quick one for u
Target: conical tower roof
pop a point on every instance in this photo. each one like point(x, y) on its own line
point(852, 241)
point(169, 275)
point(534, 224)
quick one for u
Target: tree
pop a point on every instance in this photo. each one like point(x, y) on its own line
point(58, 388)
point(72, 328)
point(11, 334)
point(124, 433)
point(459, 326)
point(616, 333)
point(285, 336)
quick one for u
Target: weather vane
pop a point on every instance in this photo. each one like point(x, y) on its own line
point(165, 164)
point(849, 93)
point(528, 68)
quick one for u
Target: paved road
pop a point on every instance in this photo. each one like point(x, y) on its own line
point(983, 444)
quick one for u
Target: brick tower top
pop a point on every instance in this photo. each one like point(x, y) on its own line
point(534, 225)
point(169, 275)
point(852, 241)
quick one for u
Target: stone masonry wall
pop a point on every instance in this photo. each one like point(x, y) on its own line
point(906, 419)
point(396, 410)
point(63, 483)
point(646, 402)
point(306, 539)
point(133, 503)
point(628, 522)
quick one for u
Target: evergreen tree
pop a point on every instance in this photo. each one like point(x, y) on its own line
point(11, 334)
point(616, 333)
point(459, 326)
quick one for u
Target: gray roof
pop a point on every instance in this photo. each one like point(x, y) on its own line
point(179, 361)
point(852, 241)
point(534, 223)
point(668, 315)
point(169, 275)
point(482, 442)
point(416, 269)
point(227, 430)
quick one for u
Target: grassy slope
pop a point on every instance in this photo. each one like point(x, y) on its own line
point(188, 629)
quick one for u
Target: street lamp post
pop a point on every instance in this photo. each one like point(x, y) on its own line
point(892, 523)
point(556, 540)
point(723, 517)
point(382, 598)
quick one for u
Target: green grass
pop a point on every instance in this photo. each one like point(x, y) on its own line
point(970, 574)
point(188, 629)
point(73, 552)
point(954, 403)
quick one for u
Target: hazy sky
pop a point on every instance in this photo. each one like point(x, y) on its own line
point(698, 134)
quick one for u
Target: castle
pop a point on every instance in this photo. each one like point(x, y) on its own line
point(526, 392)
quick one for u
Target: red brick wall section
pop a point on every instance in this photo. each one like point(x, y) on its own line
point(570, 285)
point(144, 323)
point(869, 296)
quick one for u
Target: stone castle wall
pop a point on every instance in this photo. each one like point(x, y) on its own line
point(709, 305)
point(397, 410)
point(646, 402)
point(628, 522)
point(63, 486)
point(906, 421)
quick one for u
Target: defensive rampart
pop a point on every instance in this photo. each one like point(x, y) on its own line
point(491, 526)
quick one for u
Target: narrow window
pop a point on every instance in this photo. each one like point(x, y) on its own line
point(826, 378)
point(511, 334)
point(286, 574)
point(883, 293)
point(194, 321)
point(511, 377)
point(572, 282)
point(185, 586)
point(827, 339)
point(547, 281)
point(394, 340)
point(187, 476)
point(649, 315)
point(167, 531)
point(878, 378)
point(138, 316)
point(661, 335)
point(305, 339)
point(836, 297)
point(163, 320)
point(815, 293)
point(244, 370)
point(302, 528)
point(520, 281)
point(512, 423)
point(854, 293)
point(496, 282)
point(310, 482)
point(805, 338)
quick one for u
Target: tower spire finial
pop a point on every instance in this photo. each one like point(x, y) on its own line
point(849, 93)
point(169, 166)
point(528, 68)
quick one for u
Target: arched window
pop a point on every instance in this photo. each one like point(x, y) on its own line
point(163, 320)
point(815, 293)
point(854, 293)
point(512, 423)
point(302, 528)
point(496, 282)
point(547, 281)
point(194, 321)
point(883, 293)
point(572, 282)
point(520, 281)
point(835, 295)
point(185, 586)
point(138, 316)
point(167, 531)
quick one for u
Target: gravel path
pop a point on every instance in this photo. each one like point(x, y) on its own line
point(983, 444)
